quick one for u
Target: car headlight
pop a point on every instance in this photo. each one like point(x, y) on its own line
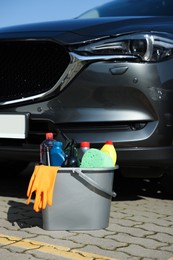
point(147, 47)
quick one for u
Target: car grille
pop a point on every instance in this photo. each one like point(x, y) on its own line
point(28, 68)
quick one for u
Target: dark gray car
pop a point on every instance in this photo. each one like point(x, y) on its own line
point(107, 74)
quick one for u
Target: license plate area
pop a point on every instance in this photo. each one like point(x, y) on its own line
point(14, 126)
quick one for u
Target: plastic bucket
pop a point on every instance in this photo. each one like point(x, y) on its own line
point(81, 200)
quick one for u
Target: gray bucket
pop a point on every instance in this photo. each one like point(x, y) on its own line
point(81, 199)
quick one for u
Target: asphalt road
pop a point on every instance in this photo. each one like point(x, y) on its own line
point(140, 225)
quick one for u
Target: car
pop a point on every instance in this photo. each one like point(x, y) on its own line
point(105, 75)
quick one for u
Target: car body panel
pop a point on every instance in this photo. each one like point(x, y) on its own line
point(74, 31)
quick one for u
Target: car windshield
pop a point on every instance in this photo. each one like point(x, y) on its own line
point(131, 8)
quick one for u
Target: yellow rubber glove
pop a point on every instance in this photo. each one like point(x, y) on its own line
point(29, 193)
point(42, 183)
point(44, 193)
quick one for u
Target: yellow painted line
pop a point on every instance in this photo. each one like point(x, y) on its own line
point(49, 248)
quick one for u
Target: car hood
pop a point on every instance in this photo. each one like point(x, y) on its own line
point(76, 30)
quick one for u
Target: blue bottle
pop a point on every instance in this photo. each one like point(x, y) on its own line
point(57, 155)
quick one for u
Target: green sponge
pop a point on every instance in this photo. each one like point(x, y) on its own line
point(95, 158)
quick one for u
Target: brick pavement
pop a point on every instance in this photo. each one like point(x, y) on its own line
point(140, 228)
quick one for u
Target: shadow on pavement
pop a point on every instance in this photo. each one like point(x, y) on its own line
point(23, 215)
point(135, 188)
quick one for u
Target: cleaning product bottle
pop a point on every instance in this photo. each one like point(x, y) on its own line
point(45, 147)
point(109, 148)
point(72, 159)
point(84, 146)
point(57, 155)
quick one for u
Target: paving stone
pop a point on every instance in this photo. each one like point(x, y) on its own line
point(145, 242)
point(139, 251)
point(156, 228)
point(8, 255)
point(162, 237)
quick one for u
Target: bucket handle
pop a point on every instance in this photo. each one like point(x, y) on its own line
point(93, 183)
